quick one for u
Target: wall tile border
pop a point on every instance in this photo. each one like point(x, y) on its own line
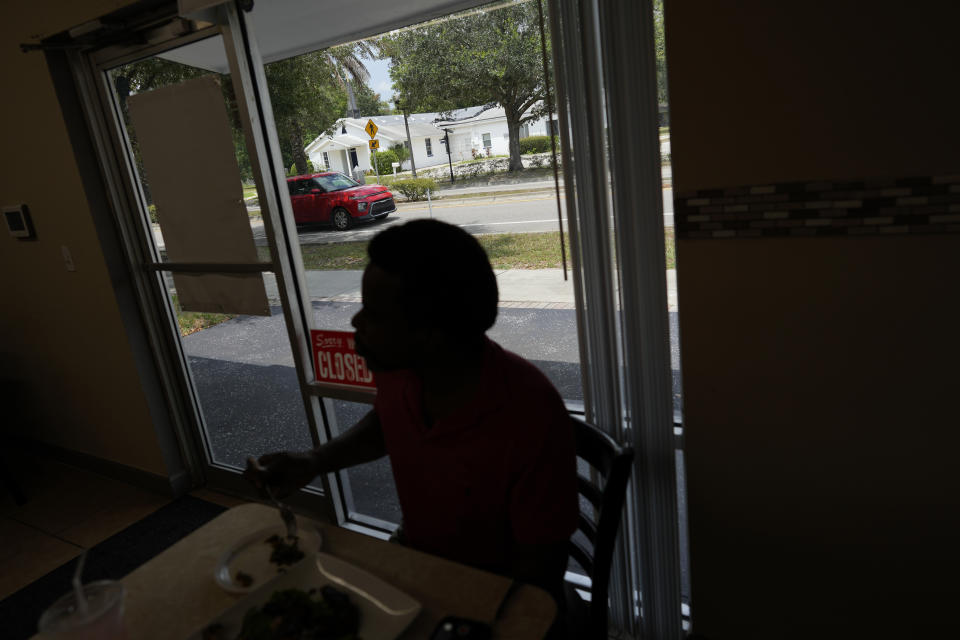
point(802, 209)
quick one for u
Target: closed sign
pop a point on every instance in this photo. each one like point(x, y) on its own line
point(335, 359)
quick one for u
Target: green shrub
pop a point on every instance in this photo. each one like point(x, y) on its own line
point(384, 160)
point(152, 210)
point(292, 171)
point(537, 144)
point(402, 152)
point(415, 188)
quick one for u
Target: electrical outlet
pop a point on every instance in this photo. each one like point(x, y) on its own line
point(67, 258)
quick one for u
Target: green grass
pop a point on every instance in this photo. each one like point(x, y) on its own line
point(670, 247)
point(249, 192)
point(193, 321)
point(334, 256)
point(506, 251)
point(525, 250)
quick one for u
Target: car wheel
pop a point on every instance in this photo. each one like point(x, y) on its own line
point(341, 219)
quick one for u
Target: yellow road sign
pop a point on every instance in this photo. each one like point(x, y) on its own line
point(374, 144)
point(371, 129)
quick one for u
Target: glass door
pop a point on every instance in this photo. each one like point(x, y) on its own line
point(198, 203)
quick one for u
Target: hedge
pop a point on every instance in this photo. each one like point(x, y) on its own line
point(537, 144)
point(415, 188)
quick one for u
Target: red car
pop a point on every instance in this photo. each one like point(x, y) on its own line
point(335, 199)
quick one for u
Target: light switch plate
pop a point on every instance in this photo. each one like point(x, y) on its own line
point(67, 258)
point(19, 224)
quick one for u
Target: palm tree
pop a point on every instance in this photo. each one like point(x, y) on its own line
point(310, 90)
point(346, 62)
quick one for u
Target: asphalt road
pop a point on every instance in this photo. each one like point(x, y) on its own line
point(524, 213)
point(248, 392)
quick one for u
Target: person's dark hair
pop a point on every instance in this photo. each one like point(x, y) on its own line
point(447, 278)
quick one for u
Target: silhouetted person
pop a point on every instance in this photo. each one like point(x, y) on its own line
point(480, 442)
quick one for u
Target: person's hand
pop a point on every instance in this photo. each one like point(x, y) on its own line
point(283, 472)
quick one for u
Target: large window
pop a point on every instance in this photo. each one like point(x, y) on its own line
point(249, 374)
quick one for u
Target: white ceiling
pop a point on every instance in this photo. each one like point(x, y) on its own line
point(285, 28)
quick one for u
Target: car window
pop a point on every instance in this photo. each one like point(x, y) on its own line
point(335, 182)
point(292, 186)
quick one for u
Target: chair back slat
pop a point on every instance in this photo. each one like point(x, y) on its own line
point(614, 463)
point(587, 527)
point(590, 491)
point(582, 555)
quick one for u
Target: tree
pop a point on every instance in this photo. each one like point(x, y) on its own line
point(661, 51)
point(307, 99)
point(476, 58)
point(351, 73)
point(402, 152)
point(368, 102)
point(310, 92)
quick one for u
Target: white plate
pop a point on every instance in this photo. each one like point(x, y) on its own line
point(385, 611)
point(251, 555)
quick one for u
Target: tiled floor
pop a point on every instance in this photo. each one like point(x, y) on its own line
point(68, 509)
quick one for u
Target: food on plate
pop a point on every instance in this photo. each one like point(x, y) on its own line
point(243, 579)
point(285, 553)
point(295, 614)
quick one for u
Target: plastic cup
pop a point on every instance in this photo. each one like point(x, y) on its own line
point(103, 619)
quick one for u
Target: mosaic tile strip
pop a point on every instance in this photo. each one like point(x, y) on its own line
point(867, 207)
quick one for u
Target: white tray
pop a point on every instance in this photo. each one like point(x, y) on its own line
point(385, 611)
point(251, 555)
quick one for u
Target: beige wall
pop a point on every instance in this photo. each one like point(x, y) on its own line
point(61, 332)
point(819, 373)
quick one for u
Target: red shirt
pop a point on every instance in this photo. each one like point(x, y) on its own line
point(501, 470)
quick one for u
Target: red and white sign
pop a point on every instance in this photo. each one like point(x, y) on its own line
point(335, 359)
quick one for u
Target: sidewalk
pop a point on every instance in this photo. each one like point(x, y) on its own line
point(519, 288)
point(533, 185)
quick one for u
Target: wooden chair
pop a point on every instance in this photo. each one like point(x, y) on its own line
point(613, 463)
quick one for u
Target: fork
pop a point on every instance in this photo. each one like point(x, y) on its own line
point(286, 514)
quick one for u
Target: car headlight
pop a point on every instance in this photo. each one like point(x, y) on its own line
point(362, 206)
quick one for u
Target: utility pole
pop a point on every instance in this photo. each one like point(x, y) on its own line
point(446, 136)
point(406, 124)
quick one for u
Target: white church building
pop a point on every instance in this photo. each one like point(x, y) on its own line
point(474, 132)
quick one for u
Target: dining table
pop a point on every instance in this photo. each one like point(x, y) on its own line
point(174, 594)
